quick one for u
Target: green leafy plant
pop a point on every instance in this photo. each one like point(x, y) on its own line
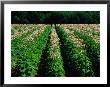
point(54, 62)
point(29, 57)
point(16, 48)
point(92, 50)
point(76, 61)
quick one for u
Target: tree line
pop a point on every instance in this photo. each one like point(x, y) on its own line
point(55, 17)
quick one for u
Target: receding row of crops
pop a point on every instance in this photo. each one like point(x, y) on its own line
point(49, 52)
point(78, 64)
point(92, 50)
point(54, 62)
point(26, 55)
point(91, 46)
point(88, 29)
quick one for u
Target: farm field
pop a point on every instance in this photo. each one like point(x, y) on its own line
point(64, 50)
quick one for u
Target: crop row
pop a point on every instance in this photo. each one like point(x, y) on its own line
point(88, 29)
point(92, 50)
point(19, 47)
point(84, 34)
point(28, 61)
point(16, 47)
point(54, 61)
point(76, 61)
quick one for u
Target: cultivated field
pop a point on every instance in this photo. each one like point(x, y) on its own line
point(67, 50)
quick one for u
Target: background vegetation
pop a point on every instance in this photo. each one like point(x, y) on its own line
point(55, 17)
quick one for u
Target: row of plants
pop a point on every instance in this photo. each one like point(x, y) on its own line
point(29, 57)
point(16, 47)
point(18, 44)
point(75, 60)
point(93, 30)
point(54, 61)
point(92, 50)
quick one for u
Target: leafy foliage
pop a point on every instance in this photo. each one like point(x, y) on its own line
point(16, 49)
point(54, 62)
point(44, 53)
point(93, 51)
point(55, 17)
point(29, 57)
point(76, 62)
